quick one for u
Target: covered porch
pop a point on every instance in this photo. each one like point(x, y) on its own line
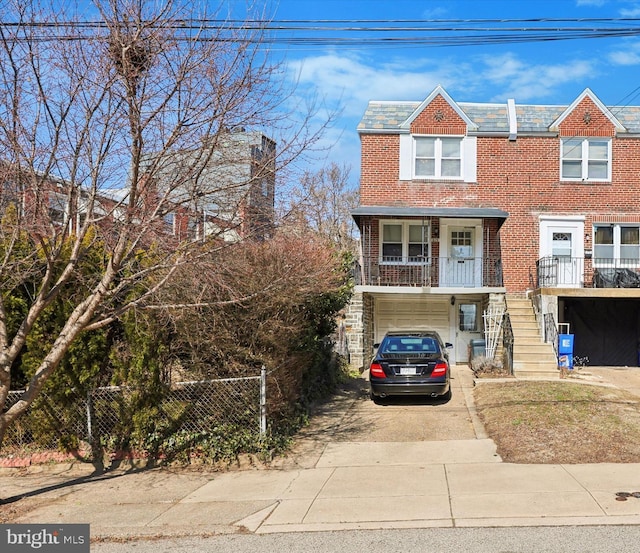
point(429, 247)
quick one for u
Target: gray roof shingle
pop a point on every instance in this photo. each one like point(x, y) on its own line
point(489, 117)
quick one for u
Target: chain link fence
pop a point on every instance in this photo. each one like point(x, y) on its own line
point(107, 413)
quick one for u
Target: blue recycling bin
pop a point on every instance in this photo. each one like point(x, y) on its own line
point(565, 350)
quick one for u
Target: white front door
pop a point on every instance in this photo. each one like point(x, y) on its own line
point(462, 267)
point(561, 253)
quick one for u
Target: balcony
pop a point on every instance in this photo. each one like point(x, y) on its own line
point(450, 272)
point(580, 272)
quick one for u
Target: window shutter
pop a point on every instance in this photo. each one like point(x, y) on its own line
point(406, 156)
point(469, 156)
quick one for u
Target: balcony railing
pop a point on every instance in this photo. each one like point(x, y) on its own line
point(581, 272)
point(458, 272)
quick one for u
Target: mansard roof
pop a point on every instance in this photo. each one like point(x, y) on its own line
point(493, 118)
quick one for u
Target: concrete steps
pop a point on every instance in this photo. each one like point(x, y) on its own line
point(532, 358)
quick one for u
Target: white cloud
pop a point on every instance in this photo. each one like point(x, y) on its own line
point(435, 13)
point(519, 79)
point(352, 81)
point(625, 58)
point(628, 55)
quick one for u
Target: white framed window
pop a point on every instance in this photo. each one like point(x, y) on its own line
point(468, 317)
point(404, 242)
point(437, 157)
point(586, 159)
point(616, 245)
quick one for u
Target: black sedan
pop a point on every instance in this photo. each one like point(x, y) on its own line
point(410, 363)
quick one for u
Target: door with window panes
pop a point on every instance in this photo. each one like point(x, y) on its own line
point(562, 252)
point(468, 327)
point(461, 266)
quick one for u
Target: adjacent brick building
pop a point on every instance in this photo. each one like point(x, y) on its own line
point(466, 205)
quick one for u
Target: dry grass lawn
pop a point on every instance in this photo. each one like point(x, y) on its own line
point(560, 422)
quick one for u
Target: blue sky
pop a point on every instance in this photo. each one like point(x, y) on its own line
point(553, 72)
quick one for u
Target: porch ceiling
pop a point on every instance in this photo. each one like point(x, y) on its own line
point(453, 212)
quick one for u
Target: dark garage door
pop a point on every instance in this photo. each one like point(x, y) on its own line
point(606, 331)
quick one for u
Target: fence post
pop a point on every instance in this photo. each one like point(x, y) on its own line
point(263, 400)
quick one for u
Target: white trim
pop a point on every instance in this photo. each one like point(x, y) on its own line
point(439, 91)
point(574, 224)
point(570, 271)
point(405, 223)
point(469, 158)
point(617, 244)
point(561, 218)
point(445, 254)
point(584, 159)
point(555, 126)
point(406, 157)
point(438, 157)
point(513, 119)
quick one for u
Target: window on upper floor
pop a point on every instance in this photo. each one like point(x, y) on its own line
point(404, 242)
point(586, 159)
point(616, 245)
point(438, 157)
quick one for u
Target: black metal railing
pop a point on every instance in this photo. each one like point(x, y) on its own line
point(584, 272)
point(463, 272)
point(507, 344)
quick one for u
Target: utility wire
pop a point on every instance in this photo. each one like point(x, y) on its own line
point(355, 33)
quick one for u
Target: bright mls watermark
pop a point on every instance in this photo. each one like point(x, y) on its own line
point(44, 538)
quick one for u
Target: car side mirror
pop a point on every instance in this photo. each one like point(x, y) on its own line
point(448, 345)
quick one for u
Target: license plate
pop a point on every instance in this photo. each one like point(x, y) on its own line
point(406, 371)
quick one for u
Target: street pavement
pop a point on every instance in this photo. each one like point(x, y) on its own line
point(348, 470)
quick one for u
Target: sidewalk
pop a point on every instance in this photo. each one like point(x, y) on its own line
point(333, 485)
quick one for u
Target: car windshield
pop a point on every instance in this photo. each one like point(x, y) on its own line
point(408, 344)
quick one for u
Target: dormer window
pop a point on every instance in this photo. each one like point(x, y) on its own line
point(586, 159)
point(438, 157)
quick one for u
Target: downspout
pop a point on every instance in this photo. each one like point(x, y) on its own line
point(513, 120)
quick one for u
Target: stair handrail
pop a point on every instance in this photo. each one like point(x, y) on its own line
point(551, 331)
point(507, 343)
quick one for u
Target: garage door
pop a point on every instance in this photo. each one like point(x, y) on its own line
point(606, 331)
point(412, 313)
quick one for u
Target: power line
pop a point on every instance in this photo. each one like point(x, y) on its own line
point(355, 32)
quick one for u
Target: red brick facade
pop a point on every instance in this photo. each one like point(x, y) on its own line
point(521, 176)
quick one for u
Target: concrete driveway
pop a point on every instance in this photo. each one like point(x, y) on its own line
point(351, 416)
point(625, 378)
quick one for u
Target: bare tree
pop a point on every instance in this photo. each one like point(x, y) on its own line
point(107, 129)
point(322, 202)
